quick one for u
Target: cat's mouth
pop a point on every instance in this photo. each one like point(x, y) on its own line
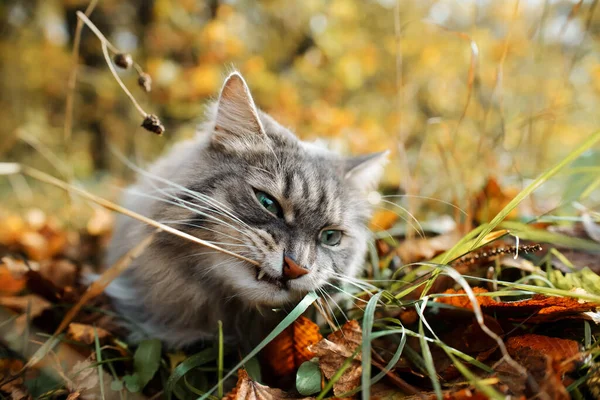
point(262, 276)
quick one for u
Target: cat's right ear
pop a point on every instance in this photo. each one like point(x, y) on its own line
point(237, 125)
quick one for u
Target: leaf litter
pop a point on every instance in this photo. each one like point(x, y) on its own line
point(40, 278)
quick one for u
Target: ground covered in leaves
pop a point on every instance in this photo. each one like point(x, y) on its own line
point(510, 317)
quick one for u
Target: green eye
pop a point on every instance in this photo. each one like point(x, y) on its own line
point(331, 237)
point(269, 203)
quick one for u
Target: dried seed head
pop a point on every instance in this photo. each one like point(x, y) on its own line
point(152, 123)
point(123, 60)
point(145, 82)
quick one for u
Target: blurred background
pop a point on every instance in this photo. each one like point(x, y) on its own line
point(464, 93)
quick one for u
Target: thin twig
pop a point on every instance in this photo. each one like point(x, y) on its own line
point(98, 286)
point(119, 81)
point(96, 31)
point(68, 128)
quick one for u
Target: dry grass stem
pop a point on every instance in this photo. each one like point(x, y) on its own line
point(98, 286)
point(11, 168)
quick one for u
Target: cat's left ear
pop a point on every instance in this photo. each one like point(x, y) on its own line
point(237, 124)
point(364, 172)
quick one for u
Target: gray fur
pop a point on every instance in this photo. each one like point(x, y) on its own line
point(177, 290)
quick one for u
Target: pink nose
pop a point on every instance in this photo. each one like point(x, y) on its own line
point(291, 270)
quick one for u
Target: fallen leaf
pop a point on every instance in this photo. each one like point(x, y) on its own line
point(85, 378)
point(20, 304)
point(62, 273)
point(101, 222)
point(289, 349)
point(546, 359)
point(9, 284)
point(539, 308)
point(492, 199)
point(8, 369)
point(413, 250)
point(247, 389)
point(334, 351)
point(382, 220)
point(564, 353)
point(85, 333)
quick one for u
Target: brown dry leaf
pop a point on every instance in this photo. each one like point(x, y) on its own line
point(289, 349)
point(20, 304)
point(9, 368)
point(492, 199)
point(247, 389)
point(414, 250)
point(85, 379)
point(382, 220)
point(334, 351)
point(9, 283)
point(539, 308)
point(545, 365)
point(62, 273)
point(85, 333)
point(563, 352)
point(101, 222)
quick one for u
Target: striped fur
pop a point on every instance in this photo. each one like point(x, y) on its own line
point(177, 291)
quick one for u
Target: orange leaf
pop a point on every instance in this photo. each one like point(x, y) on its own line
point(9, 284)
point(85, 333)
point(382, 220)
point(492, 199)
point(563, 352)
point(539, 308)
point(289, 349)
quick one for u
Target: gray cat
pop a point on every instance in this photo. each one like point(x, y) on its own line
point(248, 185)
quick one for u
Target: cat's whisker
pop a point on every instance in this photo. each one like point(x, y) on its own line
point(428, 198)
point(345, 292)
point(204, 228)
point(197, 195)
point(420, 231)
point(196, 211)
point(361, 284)
point(215, 205)
point(336, 304)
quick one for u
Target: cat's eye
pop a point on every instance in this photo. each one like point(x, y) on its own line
point(331, 237)
point(269, 203)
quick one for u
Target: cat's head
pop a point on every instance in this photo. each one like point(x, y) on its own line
point(299, 210)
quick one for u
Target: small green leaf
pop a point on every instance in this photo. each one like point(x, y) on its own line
point(116, 385)
point(147, 360)
point(132, 383)
point(253, 369)
point(308, 378)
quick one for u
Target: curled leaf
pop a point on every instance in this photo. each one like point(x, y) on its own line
point(247, 389)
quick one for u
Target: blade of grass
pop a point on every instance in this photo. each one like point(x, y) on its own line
point(427, 357)
point(220, 361)
point(287, 321)
point(367, 328)
point(99, 359)
point(527, 232)
point(198, 359)
point(587, 144)
point(389, 365)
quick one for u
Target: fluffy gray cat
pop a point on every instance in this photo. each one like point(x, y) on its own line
point(248, 185)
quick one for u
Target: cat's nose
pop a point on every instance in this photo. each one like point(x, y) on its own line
point(291, 270)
